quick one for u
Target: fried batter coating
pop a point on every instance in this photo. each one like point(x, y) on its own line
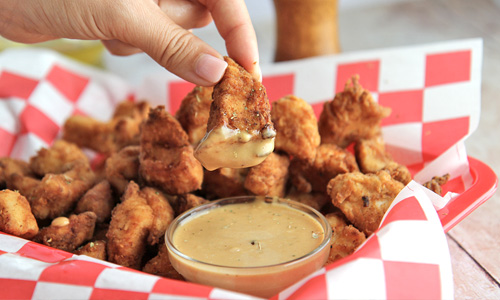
point(99, 199)
point(436, 183)
point(194, 112)
point(296, 127)
point(57, 194)
point(95, 249)
point(364, 198)
point(372, 157)
point(122, 167)
point(10, 166)
point(15, 215)
point(67, 234)
point(53, 160)
point(166, 156)
point(269, 178)
point(315, 200)
point(140, 219)
point(330, 161)
point(182, 203)
point(224, 182)
point(345, 237)
point(352, 115)
point(160, 265)
point(240, 132)
point(108, 137)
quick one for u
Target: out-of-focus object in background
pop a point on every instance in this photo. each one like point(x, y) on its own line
point(89, 52)
point(306, 28)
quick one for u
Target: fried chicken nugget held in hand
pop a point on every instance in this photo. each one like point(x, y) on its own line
point(15, 215)
point(296, 127)
point(95, 249)
point(58, 193)
point(269, 178)
point(372, 157)
point(67, 234)
point(352, 115)
point(53, 160)
point(108, 137)
point(140, 219)
point(166, 156)
point(194, 112)
point(345, 237)
point(240, 132)
point(122, 167)
point(98, 199)
point(160, 265)
point(330, 160)
point(364, 198)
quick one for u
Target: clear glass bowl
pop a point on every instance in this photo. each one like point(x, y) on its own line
point(262, 281)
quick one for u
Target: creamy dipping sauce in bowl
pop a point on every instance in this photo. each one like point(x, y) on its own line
point(253, 245)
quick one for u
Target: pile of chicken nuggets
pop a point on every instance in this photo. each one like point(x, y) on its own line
point(119, 210)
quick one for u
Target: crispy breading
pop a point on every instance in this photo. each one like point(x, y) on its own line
point(364, 198)
point(166, 156)
point(315, 200)
point(330, 160)
point(15, 215)
point(182, 203)
point(95, 249)
point(240, 132)
point(98, 199)
point(68, 233)
point(436, 183)
point(372, 157)
point(140, 219)
point(345, 237)
point(56, 194)
point(194, 112)
point(108, 137)
point(269, 178)
point(160, 265)
point(296, 127)
point(352, 115)
point(224, 182)
point(122, 167)
point(10, 166)
point(53, 160)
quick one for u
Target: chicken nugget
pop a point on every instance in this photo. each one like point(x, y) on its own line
point(364, 198)
point(240, 132)
point(10, 166)
point(53, 160)
point(95, 249)
point(98, 199)
point(166, 156)
point(123, 167)
point(163, 214)
point(436, 183)
point(345, 237)
point(352, 115)
point(269, 178)
point(57, 194)
point(15, 215)
point(67, 234)
point(182, 203)
point(315, 200)
point(194, 112)
point(330, 160)
point(372, 157)
point(108, 137)
point(160, 265)
point(296, 127)
point(224, 182)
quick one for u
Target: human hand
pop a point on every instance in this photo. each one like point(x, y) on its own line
point(159, 28)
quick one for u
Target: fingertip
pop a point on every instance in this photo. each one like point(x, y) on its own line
point(210, 68)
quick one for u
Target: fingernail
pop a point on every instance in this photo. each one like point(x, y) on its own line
point(210, 68)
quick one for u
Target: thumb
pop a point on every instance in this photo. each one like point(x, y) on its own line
point(173, 47)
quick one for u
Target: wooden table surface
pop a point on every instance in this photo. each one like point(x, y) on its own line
point(475, 242)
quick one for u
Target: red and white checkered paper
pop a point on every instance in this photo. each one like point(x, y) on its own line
point(434, 93)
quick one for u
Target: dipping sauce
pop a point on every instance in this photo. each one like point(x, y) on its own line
point(254, 245)
point(232, 148)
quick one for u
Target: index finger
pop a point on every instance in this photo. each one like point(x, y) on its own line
point(235, 26)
